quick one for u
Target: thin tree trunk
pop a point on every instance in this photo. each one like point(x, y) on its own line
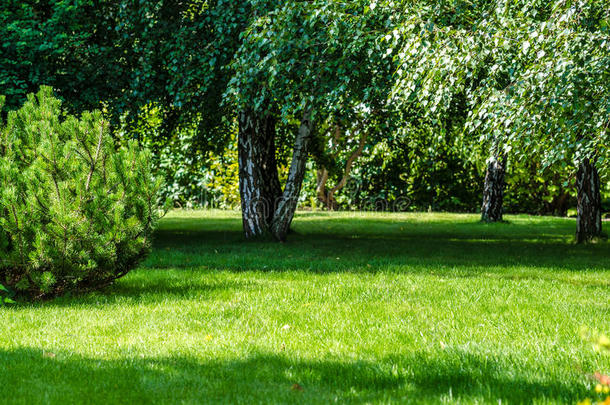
point(326, 196)
point(284, 212)
point(348, 167)
point(589, 220)
point(321, 191)
point(493, 191)
point(259, 185)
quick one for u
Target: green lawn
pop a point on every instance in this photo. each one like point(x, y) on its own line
point(363, 308)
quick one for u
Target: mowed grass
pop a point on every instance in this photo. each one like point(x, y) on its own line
point(360, 308)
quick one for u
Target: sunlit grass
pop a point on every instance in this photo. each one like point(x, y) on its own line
point(403, 308)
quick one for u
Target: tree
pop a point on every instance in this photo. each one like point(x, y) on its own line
point(350, 136)
point(298, 61)
point(493, 189)
point(557, 105)
point(535, 77)
point(64, 45)
point(170, 55)
point(165, 58)
point(445, 61)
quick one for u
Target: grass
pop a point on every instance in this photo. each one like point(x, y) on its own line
point(361, 308)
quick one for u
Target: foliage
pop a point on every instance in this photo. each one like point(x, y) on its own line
point(533, 74)
point(419, 169)
point(195, 175)
point(602, 382)
point(445, 83)
point(557, 104)
point(75, 212)
point(308, 55)
point(6, 296)
point(224, 177)
point(534, 189)
point(64, 44)
point(124, 55)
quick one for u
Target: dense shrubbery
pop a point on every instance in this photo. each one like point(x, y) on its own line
point(195, 175)
point(413, 172)
point(75, 212)
point(535, 190)
point(427, 176)
point(435, 177)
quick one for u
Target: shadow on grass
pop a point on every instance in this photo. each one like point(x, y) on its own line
point(150, 287)
point(30, 375)
point(377, 244)
point(458, 249)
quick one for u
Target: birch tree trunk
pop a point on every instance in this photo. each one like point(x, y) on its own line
point(286, 207)
point(589, 219)
point(493, 191)
point(259, 185)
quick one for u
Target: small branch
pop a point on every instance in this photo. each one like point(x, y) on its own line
point(97, 155)
point(348, 166)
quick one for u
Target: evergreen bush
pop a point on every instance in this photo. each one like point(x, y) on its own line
point(76, 212)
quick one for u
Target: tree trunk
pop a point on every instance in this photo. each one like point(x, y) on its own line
point(259, 184)
point(327, 197)
point(348, 166)
point(284, 211)
point(589, 220)
point(493, 191)
point(322, 192)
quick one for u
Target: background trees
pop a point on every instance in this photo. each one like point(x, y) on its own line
point(344, 102)
point(76, 48)
point(534, 76)
point(298, 63)
point(557, 105)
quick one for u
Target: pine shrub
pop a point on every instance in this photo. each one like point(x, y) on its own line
point(76, 212)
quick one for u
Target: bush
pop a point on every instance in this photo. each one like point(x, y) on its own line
point(76, 213)
point(198, 170)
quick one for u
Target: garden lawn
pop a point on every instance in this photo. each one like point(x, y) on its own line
point(362, 308)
